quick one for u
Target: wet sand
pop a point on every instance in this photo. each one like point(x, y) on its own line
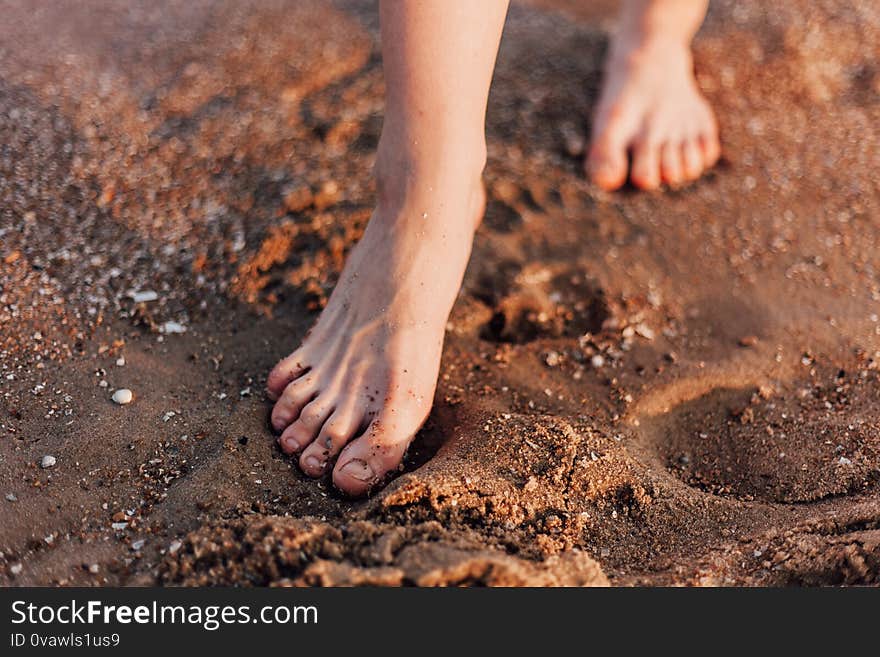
point(668, 388)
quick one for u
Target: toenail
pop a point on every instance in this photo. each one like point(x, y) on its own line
point(290, 443)
point(313, 463)
point(358, 470)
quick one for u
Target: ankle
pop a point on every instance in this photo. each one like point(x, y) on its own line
point(649, 24)
point(633, 50)
point(403, 180)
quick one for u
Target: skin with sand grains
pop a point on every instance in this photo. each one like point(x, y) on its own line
point(352, 398)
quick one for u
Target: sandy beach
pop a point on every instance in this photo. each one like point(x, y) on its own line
point(670, 388)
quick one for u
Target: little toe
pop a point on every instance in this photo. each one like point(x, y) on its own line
point(305, 428)
point(646, 165)
point(284, 372)
point(366, 460)
point(711, 148)
point(692, 159)
point(297, 394)
point(671, 169)
point(335, 433)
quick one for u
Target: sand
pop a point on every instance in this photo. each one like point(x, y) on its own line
point(637, 389)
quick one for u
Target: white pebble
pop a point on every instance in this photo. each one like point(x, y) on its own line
point(47, 461)
point(123, 396)
point(144, 296)
point(597, 361)
point(138, 544)
point(644, 331)
point(15, 568)
point(172, 327)
point(120, 362)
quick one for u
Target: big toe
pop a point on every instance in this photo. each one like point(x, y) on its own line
point(365, 462)
point(607, 161)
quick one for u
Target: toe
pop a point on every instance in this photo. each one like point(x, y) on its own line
point(691, 159)
point(365, 461)
point(296, 395)
point(301, 432)
point(607, 168)
point(646, 165)
point(711, 148)
point(670, 164)
point(606, 162)
point(334, 435)
point(284, 372)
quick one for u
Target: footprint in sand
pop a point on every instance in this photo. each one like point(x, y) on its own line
point(812, 441)
point(540, 301)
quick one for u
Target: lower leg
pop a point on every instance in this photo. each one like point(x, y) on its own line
point(363, 381)
point(650, 109)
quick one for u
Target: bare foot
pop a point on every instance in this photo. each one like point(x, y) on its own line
point(651, 111)
point(362, 383)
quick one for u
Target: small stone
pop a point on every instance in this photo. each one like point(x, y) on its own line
point(48, 461)
point(144, 296)
point(120, 362)
point(748, 341)
point(597, 361)
point(174, 547)
point(552, 359)
point(138, 544)
point(10, 497)
point(645, 331)
point(94, 569)
point(16, 568)
point(123, 396)
point(172, 327)
point(118, 526)
point(844, 461)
